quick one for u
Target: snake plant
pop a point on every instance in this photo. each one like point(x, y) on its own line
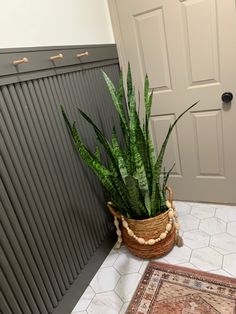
point(133, 176)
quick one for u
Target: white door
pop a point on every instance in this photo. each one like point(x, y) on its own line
point(188, 50)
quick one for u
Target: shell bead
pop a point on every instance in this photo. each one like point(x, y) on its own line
point(116, 222)
point(118, 232)
point(168, 204)
point(119, 240)
point(151, 242)
point(171, 214)
point(162, 235)
point(130, 232)
point(168, 227)
point(141, 240)
point(125, 224)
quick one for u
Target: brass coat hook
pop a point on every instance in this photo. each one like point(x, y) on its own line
point(82, 54)
point(56, 57)
point(20, 61)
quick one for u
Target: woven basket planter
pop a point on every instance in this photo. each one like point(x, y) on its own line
point(148, 230)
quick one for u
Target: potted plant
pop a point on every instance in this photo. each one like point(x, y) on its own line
point(133, 176)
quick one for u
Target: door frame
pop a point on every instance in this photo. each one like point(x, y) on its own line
point(117, 34)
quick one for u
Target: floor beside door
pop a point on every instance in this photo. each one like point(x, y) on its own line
point(209, 233)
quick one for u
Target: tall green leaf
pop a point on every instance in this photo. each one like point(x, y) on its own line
point(91, 160)
point(165, 179)
point(140, 173)
point(116, 99)
point(129, 85)
point(134, 196)
point(117, 153)
point(102, 139)
point(159, 161)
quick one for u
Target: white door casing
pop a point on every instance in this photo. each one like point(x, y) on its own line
point(188, 50)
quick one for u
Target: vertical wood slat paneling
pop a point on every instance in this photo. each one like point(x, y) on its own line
point(52, 207)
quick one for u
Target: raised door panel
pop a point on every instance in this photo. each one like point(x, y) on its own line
point(209, 144)
point(201, 40)
point(153, 47)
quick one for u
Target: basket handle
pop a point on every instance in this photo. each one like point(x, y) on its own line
point(170, 195)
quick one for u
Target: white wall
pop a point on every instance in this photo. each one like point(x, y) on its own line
point(29, 23)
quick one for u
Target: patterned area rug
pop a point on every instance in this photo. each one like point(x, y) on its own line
point(168, 289)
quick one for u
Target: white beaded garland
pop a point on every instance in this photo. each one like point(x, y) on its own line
point(171, 214)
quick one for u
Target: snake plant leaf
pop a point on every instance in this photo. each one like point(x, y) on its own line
point(147, 201)
point(105, 175)
point(144, 153)
point(165, 178)
point(116, 99)
point(117, 152)
point(101, 172)
point(146, 89)
point(133, 190)
point(102, 139)
point(151, 152)
point(140, 173)
point(129, 85)
point(120, 90)
point(149, 148)
point(147, 98)
point(98, 153)
point(120, 186)
point(121, 99)
point(159, 161)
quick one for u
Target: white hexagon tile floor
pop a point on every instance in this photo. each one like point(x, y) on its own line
point(209, 234)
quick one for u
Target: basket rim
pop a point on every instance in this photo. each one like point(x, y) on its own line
point(147, 219)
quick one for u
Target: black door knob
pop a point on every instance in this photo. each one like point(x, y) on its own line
point(227, 97)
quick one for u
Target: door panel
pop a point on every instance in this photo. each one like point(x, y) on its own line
point(188, 50)
point(144, 24)
point(208, 142)
point(201, 41)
